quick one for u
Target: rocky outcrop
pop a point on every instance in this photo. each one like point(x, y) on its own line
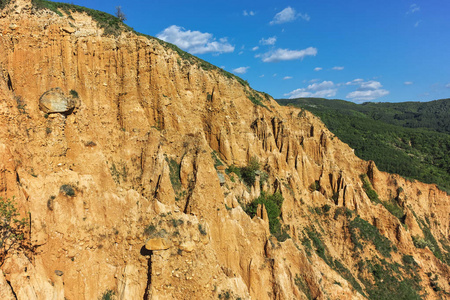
point(54, 101)
point(126, 194)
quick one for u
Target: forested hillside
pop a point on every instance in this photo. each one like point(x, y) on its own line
point(410, 138)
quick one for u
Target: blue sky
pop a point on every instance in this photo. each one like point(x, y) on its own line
point(383, 51)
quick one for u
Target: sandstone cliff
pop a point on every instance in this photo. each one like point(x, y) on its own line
point(126, 195)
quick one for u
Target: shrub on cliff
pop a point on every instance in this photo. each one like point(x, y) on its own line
point(3, 3)
point(248, 173)
point(12, 229)
point(273, 207)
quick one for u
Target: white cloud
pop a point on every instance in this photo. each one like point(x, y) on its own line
point(261, 76)
point(255, 48)
point(241, 52)
point(368, 95)
point(338, 68)
point(268, 41)
point(318, 69)
point(413, 8)
point(248, 13)
point(318, 90)
point(367, 90)
point(408, 83)
point(305, 17)
point(287, 77)
point(355, 81)
point(447, 85)
point(241, 70)
point(288, 15)
point(286, 54)
point(195, 42)
point(370, 85)
point(417, 23)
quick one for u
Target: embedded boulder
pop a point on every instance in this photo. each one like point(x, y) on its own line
point(158, 244)
point(54, 101)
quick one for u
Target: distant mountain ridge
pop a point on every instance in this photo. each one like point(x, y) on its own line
point(434, 115)
point(408, 138)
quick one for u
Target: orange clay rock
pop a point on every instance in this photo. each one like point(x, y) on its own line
point(126, 195)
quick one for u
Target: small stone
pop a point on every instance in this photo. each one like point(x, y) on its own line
point(158, 244)
point(68, 29)
point(187, 246)
point(59, 273)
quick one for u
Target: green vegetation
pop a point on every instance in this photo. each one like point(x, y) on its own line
point(108, 295)
point(445, 245)
point(326, 208)
point(370, 192)
point(391, 205)
point(150, 230)
point(50, 202)
point(342, 211)
point(315, 186)
point(433, 115)
point(12, 229)
point(409, 260)
point(385, 281)
point(322, 252)
point(217, 161)
point(119, 172)
point(255, 97)
point(67, 190)
point(322, 210)
point(3, 3)
point(319, 246)
point(201, 229)
point(347, 275)
point(110, 24)
point(302, 286)
point(361, 229)
point(410, 138)
point(433, 282)
point(74, 93)
point(248, 173)
point(429, 241)
point(174, 173)
point(273, 205)
point(176, 223)
point(388, 281)
point(225, 295)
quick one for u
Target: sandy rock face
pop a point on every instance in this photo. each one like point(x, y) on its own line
point(134, 195)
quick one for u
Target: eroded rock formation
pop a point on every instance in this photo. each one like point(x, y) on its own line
point(126, 195)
